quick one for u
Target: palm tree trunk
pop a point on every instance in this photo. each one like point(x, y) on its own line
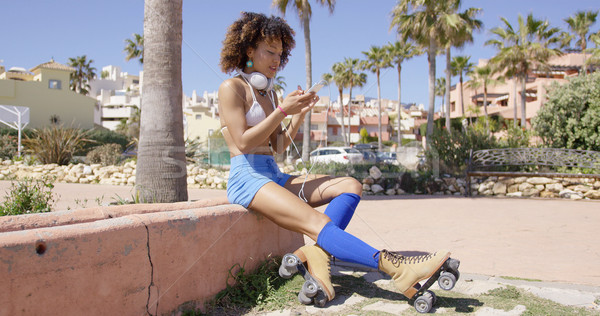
point(161, 174)
point(462, 98)
point(342, 113)
point(380, 146)
point(431, 60)
point(487, 122)
point(523, 100)
point(515, 118)
point(307, 53)
point(448, 84)
point(349, 114)
point(399, 124)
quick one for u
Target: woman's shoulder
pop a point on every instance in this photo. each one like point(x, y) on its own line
point(233, 84)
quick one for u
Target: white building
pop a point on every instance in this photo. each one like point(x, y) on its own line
point(119, 96)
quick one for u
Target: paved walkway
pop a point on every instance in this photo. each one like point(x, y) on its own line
point(545, 239)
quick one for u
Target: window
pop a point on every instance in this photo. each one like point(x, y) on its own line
point(198, 116)
point(54, 84)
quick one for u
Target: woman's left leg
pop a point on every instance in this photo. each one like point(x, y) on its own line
point(342, 193)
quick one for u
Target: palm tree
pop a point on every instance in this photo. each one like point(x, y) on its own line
point(304, 11)
point(427, 22)
point(279, 84)
point(84, 72)
point(353, 79)
point(328, 78)
point(341, 81)
point(458, 36)
point(580, 25)
point(134, 48)
point(522, 50)
point(161, 174)
point(459, 66)
point(595, 57)
point(483, 77)
point(399, 52)
point(377, 58)
point(440, 89)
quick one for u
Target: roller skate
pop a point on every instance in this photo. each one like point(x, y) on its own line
point(408, 271)
point(312, 263)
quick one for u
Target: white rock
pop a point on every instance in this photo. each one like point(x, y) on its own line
point(499, 188)
point(376, 188)
point(390, 192)
point(131, 180)
point(515, 194)
point(190, 180)
point(375, 172)
point(218, 180)
point(540, 180)
point(554, 187)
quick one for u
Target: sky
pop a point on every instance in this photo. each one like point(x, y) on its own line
point(34, 31)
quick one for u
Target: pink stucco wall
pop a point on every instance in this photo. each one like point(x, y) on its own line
point(133, 262)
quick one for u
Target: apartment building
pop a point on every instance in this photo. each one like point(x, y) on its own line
point(118, 94)
point(44, 89)
point(503, 98)
point(201, 115)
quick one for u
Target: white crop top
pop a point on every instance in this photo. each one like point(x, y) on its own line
point(256, 114)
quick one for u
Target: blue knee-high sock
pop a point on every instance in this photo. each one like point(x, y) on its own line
point(346, 247)
point(341, 209)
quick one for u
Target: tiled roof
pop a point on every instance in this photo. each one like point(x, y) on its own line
point(52, 65)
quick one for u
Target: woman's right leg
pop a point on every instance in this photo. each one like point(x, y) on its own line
point(290, 212)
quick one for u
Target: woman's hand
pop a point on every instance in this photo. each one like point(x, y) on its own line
point(298, 102)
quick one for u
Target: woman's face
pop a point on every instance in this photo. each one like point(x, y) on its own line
point(266, 57)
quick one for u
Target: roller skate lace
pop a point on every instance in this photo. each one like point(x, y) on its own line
point(398, 259)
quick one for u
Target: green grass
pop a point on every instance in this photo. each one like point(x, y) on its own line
point(522, 279)
point(263, 290)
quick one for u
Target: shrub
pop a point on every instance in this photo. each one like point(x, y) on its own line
point(452, 150)
point(8, 147)
point(107, 154)
point(101, 136)
point(571, 117)
point(55, 144)
point(28, 196)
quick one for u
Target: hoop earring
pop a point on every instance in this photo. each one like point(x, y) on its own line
point(249, 64)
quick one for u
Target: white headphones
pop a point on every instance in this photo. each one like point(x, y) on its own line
point(258, 80)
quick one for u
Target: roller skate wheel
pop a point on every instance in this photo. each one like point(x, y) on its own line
point(310, 288)
point(290, 261)
point(423, 304)
point(446, 281)
point(320, 299)
point(452, 264)
point(303, 299)
point(285, 273)
point(432, 295)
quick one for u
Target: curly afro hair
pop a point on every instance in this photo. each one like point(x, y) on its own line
point(248, 31)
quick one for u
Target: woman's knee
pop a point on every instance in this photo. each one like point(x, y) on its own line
point(349, 185)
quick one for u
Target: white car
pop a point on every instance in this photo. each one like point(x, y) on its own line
point(336, 154)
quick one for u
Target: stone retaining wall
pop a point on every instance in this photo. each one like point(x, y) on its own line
point(375, 183)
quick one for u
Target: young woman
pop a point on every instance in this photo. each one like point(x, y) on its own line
point(257, 47)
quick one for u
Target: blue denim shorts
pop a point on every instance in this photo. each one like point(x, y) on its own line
point(248, 173)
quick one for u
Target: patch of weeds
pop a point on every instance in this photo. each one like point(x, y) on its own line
point(29, 196)
point(260, 290)
point(509, 292)
point(521, 279)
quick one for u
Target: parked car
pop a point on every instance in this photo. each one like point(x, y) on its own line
point(336, 154)
point(369, 157)
point(388, 157)
point(365, 147)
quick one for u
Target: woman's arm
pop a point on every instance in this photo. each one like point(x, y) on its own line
point(231, 101)
point(283, 138)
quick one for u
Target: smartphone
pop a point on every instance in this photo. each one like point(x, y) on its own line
point(317, 86)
